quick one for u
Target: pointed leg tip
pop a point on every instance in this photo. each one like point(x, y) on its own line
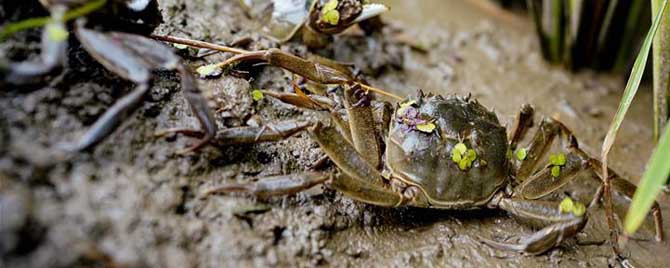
point(194, 147)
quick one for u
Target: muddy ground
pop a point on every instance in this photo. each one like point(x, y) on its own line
point(133, 202)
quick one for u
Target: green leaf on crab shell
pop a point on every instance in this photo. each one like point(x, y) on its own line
point(404, 106)
point(471, 155)
point(456, 156)
point(428, 127)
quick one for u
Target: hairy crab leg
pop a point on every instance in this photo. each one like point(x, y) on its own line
point(542, 240)
point(276, 185)
point(522, 122)
point(245, 135)
point(54, 43)
point(543, 182)
point(361, 123)
point(133, 57)
point(313, 70)
point(357, 178)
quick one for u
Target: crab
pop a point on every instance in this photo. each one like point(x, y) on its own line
point(317, 20)
point(129, 55)
point(431, 151)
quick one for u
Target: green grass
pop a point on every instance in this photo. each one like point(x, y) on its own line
point(11, 28)
point(653, 178)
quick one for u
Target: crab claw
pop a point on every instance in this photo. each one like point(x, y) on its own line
point(371, 10)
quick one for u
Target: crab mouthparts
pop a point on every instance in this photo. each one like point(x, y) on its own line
point(371, 10)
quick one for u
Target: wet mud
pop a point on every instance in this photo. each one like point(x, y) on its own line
point(133, 202)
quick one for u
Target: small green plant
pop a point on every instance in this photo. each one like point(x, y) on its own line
point(658, 167)
point(11, 28)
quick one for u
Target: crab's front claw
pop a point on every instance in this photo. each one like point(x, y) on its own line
point(543, 240)
point(560, 221)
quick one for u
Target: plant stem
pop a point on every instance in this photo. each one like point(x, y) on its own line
point(661, 69)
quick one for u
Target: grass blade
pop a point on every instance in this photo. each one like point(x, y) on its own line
point(651, 184)
point(631, 88)
point(629, 93)
point(11, 28)
point(661, 57)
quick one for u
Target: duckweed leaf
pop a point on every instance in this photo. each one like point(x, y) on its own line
point(471, 155)
point(329, 12)
point(56, 32)
point(460, 148)
point(209, 70)
point(463, 164)
point(330, 5)
point(558, 159)
point(257, 95)
point(555, 171)
point(521, 154)
point(566, 205)
point(180, 46)
point(332, 17)
point(428, 127)
point(578, 209)
point(456, 157)
point(404, 106)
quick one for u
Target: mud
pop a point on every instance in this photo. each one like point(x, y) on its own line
point(132, 201)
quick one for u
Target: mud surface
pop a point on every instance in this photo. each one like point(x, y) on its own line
point(132, 201)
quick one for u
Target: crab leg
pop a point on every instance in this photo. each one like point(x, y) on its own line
point(543, 182)
point(246, 135)
point(361, 123)
point(276, 185)
point(109, 120)
point(542, 240)
point(522, 122)
point(357, 179)
point(545, 134)
point(315, 102)
point(133, 57)
point(556, 225)
point(52, 55)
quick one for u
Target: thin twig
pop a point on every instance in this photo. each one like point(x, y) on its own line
point(380, 91)
point(199, 44)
